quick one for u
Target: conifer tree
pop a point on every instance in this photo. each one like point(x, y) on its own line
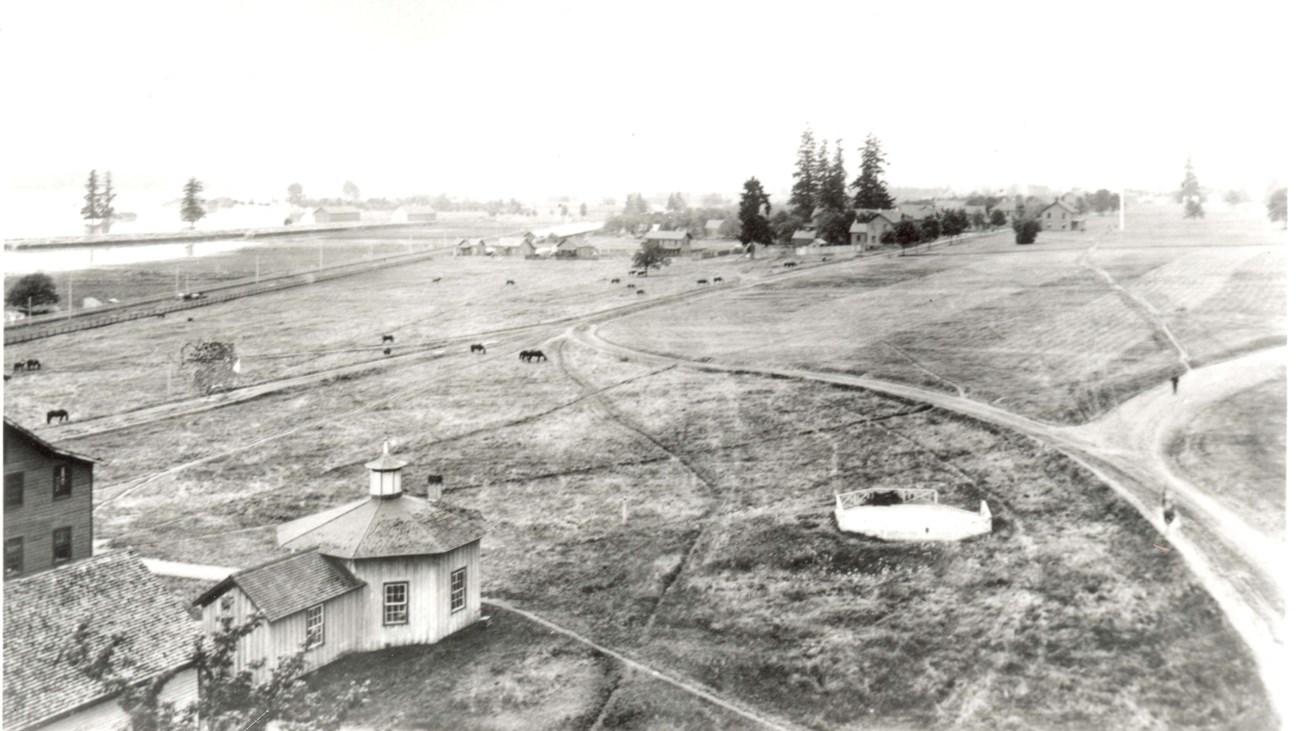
point(832, 194)
point(90, 211)
point(192, 205)
point(754, 210)
point(106, 209)
point(1191, 194)
point(870, 184)
point(803, 194)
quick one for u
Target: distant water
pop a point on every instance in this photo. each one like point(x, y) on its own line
point(36, 214)
point(26, 261)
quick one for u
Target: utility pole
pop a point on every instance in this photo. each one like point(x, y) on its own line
point(320, 257)
point(178, 279)
point(1121, 209)
point(69, 295)
point(257, 268)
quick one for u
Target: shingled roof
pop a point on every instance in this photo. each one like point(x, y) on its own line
point(288, 585)
point(30, 436)
point(116, 594)
point(667, 235)
point(375, 527)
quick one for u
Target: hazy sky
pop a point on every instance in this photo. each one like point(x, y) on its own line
point(500, 98)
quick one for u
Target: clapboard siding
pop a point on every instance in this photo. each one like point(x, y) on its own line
point(40, 514)
point(429, 612)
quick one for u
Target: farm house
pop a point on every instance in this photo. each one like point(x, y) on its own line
point(47, 503)
point(335, 214)
point(1060, 217)
point(387, 570)
point(676, 241)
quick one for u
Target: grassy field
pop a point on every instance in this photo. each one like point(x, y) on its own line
point(1236, 451)
point(686, 517)
point(1029, 328)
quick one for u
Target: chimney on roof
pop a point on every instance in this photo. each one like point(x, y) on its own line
point(386, 475)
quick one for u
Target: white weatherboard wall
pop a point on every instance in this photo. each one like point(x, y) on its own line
point(915, 521)
point(429, 594)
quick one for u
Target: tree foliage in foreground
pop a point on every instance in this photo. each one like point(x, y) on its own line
point(228, 700)
point(651, 256)
point(32, 292)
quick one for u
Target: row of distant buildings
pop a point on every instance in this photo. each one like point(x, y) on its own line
point(344, 214)
point(1060, 214)
point(389, 569)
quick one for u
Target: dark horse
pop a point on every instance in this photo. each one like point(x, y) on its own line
point(510, 282)
point(33, 364)
point(478, 348)
point(531, 355)
point(20, 366)
point(717, 279)
point(386, 339)
point(615, 280)
point(701, 281)
point(60, 414)
point(640, 291)
point(388, 351)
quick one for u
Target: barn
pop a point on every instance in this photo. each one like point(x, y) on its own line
point(466, 247)
point(47, 503)
point(674, 241)
point(521, 246)
point(108, 595)
point(335, 214)
point(387, 570)
point(414, 214)
point(575, 249)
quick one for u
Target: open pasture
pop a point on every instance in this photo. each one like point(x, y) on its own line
point(1030, 328)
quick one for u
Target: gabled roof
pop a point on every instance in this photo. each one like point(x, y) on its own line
point(116, 594)
point(916, 210)
point(668, 235)
point(804, 235)
point(512, 242)
point(466, 243)
point(288, 585)
point(859, 227)
point(374, 527)
point(573, 244)
point(22, 432)
point(1068, 209)
point(337, 209)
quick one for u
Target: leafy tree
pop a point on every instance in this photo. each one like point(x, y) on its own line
point(651, 256)
point(1191, 193)
point(31, 292)
point(755, 207)
point(784, 226)
point(351, 190)
point(998, 218)
point(192, 205)
point(295, 194)
point(676, 202)
point(906, 234)
point(713, 199)
point(90, 211)
point(979, 220)
point(870, 184)
point(833, 226)
point(1277, 206)
point(803, 194)
point(106, 199)
point(1235, 197)
point(1026, 230)
point(953, 222)
point(228, 700)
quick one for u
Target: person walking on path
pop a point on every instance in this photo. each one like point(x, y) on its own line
point(1174, 380)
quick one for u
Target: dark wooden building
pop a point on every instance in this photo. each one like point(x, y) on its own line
point(47, 503)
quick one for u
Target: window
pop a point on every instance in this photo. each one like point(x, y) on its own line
point(62, 482)
point(395, 603)
point(316, 626)
point(13, 556)
point(62, 545)
point(458, 590)
point(14, 490)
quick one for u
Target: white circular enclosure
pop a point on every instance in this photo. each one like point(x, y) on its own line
point(908, 514)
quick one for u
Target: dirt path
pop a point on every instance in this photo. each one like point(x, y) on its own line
point(1246, 588)
point(1147, 309)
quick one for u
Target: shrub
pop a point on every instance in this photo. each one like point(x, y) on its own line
point(1026, 230)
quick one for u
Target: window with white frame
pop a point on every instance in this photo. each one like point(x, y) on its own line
point(458, 590)
point(316, 626)
point(62, 542)
point(62, 482)
point(395, 602)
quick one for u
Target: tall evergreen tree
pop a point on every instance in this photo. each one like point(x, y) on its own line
point(755, 207)
point(1191, 194)
point(106, 209)
point(832, 194)
point(870, 184)
point(192, 205)
point(803, 194)
point(822, 174)
point(90, 211)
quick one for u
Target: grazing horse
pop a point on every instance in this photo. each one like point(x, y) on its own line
point(631, 272)
point(33, 364)
point(826, 258)
point(789, 264)
point(478, 348)
point(510, 282)
point(20, 366)
point(701, 281)
point(388, 351)
point(717, 279)
point(437, 279)
point(386, 339)
point(640, 291)
point(615, 280)
point(642, 273)
point(60, 414)
point(531, 355)
point(631, 286)
point(7, 376)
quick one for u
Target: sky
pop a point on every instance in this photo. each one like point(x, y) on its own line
point(498, 98)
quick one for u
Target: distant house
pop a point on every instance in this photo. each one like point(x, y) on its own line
point(916, 211)
point(866, 235)
point(576, 248)
point(804, 237)
point(713, 228)
point(47, 503)
point(678, 241)
point(112, 594)
point(387, 570)
point(1007, 206)
point(1060, 217)
point(516, 246)
point(335, 214)
point(414, 214)
point(466, 247)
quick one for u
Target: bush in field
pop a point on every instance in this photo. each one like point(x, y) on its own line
point(1277, 206)
point(651, 256)
point(906, 234)
point(931, 228)
point(998, 218)
point(32, 292)
point(1026, 230)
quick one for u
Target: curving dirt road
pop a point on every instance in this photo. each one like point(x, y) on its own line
point(1240, 573)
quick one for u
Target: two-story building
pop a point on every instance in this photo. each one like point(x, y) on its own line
point(677, 242)
point(1060, 217)
point(47, 505)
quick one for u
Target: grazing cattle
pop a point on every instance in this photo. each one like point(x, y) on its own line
point(189, 319)
point(33, 364)
point(60, 414)
point(388, 351)
point(478, 348)
point(386, 339)
point(437, 279)
point(510, 282)
point(161, 315)
point(631, 286)
point(615, 280)
point(7, 376)
point(20, 366)
point(640, 291)
point(701, 281)
point(631, 272)
point(717, 279)
point(789, 264)
point(826, 258)
point(642, 273)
